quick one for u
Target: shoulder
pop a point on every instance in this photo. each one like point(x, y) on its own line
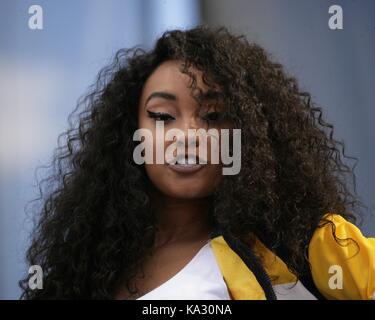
point(342, 259)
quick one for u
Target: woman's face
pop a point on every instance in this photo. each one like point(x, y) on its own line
point(166, 97)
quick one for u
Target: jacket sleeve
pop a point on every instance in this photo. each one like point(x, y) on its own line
point(342, 269)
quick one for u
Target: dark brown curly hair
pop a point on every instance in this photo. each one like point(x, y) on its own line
point(95, 224)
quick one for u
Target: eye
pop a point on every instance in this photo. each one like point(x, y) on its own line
point(212, 116)
point(160, 116)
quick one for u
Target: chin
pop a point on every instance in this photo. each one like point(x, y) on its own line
point(187, 193)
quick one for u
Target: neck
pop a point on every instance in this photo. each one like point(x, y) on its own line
point(181, 219)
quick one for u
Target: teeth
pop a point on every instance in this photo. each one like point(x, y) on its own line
point(192, 160)
point(189, 160)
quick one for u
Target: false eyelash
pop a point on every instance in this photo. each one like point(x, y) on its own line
point(159, 116)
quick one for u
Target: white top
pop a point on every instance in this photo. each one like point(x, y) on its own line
point(200, 279)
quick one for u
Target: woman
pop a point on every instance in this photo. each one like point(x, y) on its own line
point(281, 228)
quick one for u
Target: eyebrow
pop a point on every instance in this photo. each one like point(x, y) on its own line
point(161, 94)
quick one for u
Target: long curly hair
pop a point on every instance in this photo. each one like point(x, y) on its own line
point(94, 223)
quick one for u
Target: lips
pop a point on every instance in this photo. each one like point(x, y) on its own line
point(188, 164)
point(186, 168)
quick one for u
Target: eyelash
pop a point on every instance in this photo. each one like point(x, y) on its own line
point(160, 116)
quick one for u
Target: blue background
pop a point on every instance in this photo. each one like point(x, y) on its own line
point(44, 72)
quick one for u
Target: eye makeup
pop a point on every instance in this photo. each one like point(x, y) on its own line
point(160, 116)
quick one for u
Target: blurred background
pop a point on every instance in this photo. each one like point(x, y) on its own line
point(44, 72)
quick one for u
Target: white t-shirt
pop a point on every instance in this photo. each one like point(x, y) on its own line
point(200, 279)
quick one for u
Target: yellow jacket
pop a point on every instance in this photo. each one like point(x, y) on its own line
point(344, 270)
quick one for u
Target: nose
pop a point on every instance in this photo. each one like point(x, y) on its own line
point(190, 127)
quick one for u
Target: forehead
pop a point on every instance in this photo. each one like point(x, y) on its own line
point(168, 77)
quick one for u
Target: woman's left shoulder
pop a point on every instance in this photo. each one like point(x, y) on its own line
point(342, 259)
